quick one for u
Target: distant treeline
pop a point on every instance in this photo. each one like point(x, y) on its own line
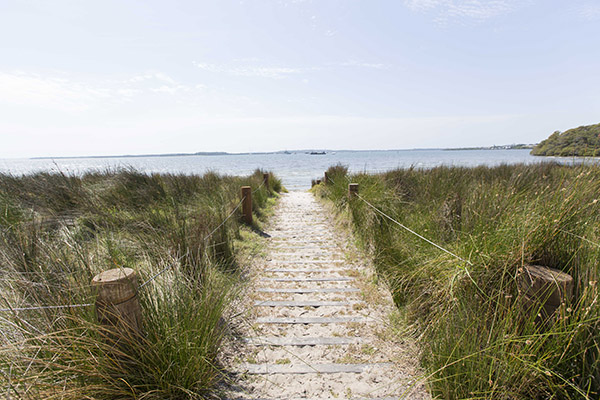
point(583, 141)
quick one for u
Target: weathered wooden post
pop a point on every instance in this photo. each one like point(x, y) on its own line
point(325, 178)
point(352, 190)
point(266, 180)
point(544, 286)
point(117, 303)
point(247, 204)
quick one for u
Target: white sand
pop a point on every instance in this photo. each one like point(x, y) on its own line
point(302, 230)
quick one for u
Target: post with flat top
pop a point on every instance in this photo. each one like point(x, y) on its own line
point(544, 290)
point(117, 303)
point(266, 180)
point(326, 178)
point(247, 204)
point(352, 190)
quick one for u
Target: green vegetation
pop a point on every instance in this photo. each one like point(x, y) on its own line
point(58, 231)
point(477, 340)
point(583, 142)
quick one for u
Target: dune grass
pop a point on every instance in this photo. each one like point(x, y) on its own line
point(477, 342)
point(58, 231)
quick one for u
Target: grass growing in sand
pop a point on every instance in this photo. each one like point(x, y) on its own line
point(58, 231)
point(476, 341)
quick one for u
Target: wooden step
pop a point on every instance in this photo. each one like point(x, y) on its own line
point(304, 270)
point(328, 279)
point(308, 303)
point(308, 290)
point(270, 369)
point(301, 341)
point(310, 320)
point(305, 261)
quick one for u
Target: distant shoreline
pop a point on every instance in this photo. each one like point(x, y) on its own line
point(215, 153)
point(283, 152)
point(506, 147)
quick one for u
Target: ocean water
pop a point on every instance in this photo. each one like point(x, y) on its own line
point(296, 170)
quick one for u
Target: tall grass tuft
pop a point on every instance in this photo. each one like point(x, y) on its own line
point(58, 231)
point(477, 339)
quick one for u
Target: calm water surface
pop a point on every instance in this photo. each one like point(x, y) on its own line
point(296, 170)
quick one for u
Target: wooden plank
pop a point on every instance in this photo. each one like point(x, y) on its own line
point(304, 398)
point(305, 248)
point(306, 270)
point(296, 254)
point(285, 303)
point(302, 341)
point(261, 369)
point(311, 320)
point(306, 261)
point(308, 290)
point(329, 279)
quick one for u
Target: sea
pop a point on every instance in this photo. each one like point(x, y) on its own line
point(296, 170)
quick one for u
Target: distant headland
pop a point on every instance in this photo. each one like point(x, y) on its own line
point(583, 141)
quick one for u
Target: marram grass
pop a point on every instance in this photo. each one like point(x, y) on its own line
point(477, 341)
point(58, 231)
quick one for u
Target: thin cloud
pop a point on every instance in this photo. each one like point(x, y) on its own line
point(59, 92)
point(360, 64)
point(279, 72)
point(448, 10)
point(273, 72)
point(158, 76)
point(589, 11)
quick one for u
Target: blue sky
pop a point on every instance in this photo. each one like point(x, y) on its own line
point(115, 77)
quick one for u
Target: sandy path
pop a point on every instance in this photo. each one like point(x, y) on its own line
point(320, 327)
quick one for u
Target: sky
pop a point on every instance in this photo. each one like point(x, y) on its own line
point(113, 77)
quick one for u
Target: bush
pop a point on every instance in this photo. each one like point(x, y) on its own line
point(57, 232)
point(477, 342)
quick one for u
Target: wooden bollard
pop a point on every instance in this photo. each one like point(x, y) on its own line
point(117, 303)
point(325, 178)
point(247, 204)
point(352, 190)
point(266, 180)
point(547, 287)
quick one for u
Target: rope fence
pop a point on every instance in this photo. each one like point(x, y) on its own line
point(145, 283)
point(180, 258)
point(258, 188)
point(10, 309)
point(411, 231)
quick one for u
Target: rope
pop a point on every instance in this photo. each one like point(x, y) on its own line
point(259, 186)
point(225, 220)
point(579, 237)
point(44, 307)
point(411, 231)
point(12, 309)
point(179, 259)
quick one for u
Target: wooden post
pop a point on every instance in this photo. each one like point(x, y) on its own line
point(247, 204)
point(117, 304)
point(544, 286)
point(352, 190)
point(326, 178)
point(266, 180)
